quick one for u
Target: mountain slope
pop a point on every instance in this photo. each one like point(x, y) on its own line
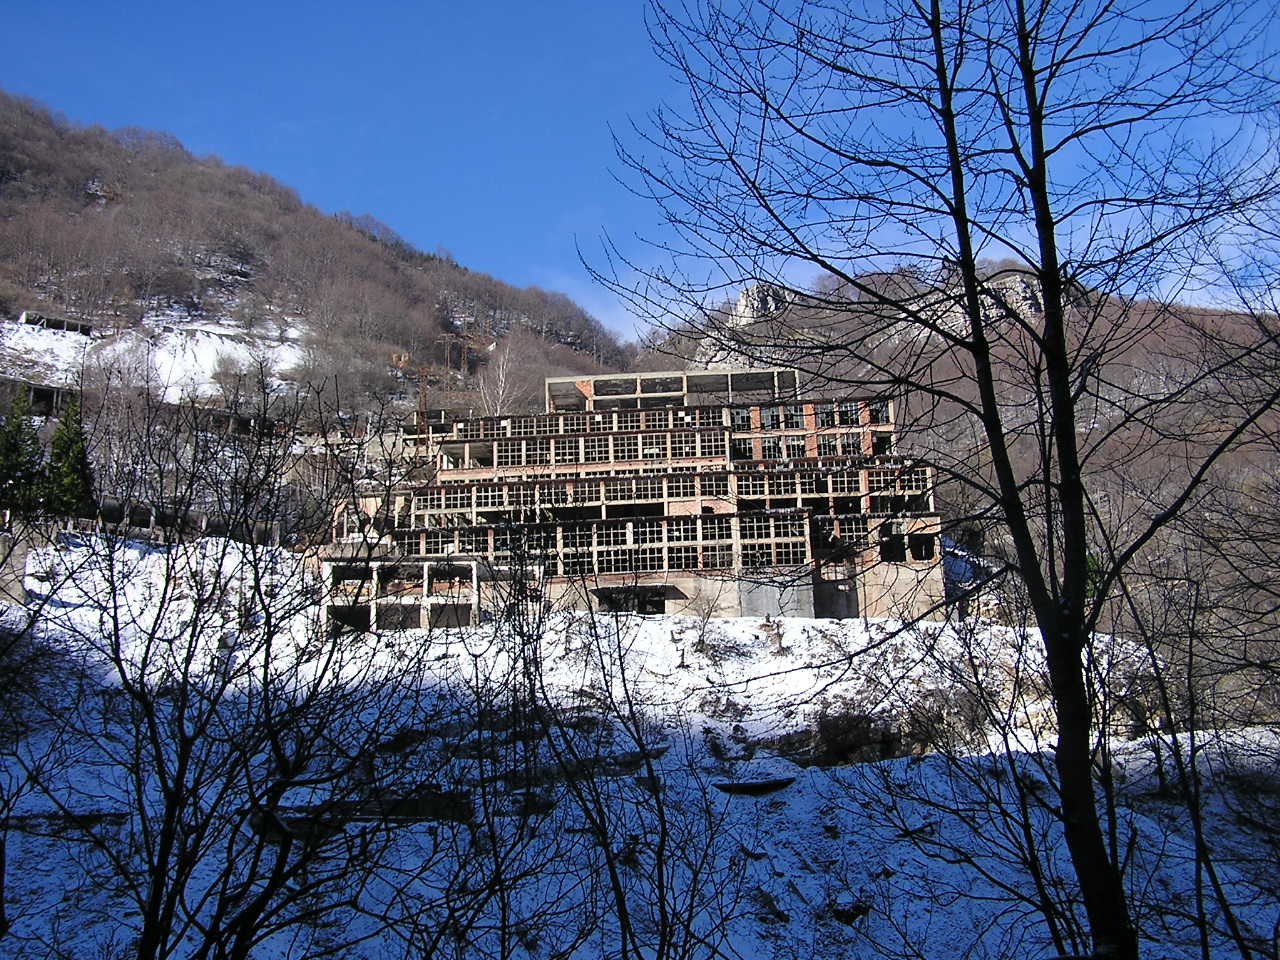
point(118, 227)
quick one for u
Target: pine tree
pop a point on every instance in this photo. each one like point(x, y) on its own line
point(22, 477)
point(69, 487)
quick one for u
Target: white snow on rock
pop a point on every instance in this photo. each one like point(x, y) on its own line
point(177, 356)
point(52, 357)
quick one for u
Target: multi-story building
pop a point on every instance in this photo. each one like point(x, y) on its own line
point(721, 493)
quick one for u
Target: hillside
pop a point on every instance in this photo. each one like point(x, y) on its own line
point(129, 231)
point(569, 785)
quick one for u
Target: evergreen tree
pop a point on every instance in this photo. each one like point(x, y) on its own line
point(69, 486)
point(22, 477)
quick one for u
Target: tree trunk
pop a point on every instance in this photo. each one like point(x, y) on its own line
point(1101, 885)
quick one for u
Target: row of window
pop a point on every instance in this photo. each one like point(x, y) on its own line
point(790, 417)
point(606, 449)
point(598, 422)
point(895, 548)
point(758, 555)
point(783, 417)
point(648, 560)
point(656, 560)
point(662, 447)
point(848, 530)
point(620, 533)
point(757, 526)
point(679, 486)
point(638, 491)
point(855, 445)
point(769, 448)
point(642, 554)
point(901, 478)
point(848, 413)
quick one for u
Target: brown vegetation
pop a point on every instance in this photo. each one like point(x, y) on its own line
point(108, 225)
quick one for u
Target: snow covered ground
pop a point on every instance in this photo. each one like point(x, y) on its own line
point(577, 786)
point(50, 357)
point(176, 354)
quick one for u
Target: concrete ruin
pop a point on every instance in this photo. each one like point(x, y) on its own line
point(711, 492)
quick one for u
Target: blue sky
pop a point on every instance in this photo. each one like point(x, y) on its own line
point(480, 127)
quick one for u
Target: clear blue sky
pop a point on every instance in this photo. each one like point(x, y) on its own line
point(478, 127)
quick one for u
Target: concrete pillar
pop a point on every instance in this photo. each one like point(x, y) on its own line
point(13, 568)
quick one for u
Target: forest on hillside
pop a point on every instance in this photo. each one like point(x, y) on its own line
point(110, 226)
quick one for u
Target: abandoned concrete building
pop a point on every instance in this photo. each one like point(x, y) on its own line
point(715, 492)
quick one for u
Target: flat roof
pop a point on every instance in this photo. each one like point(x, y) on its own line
point(577, 393)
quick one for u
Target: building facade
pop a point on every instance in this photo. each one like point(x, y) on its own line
point(721, 493)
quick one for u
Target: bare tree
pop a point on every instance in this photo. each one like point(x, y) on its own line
point(1002, 203)
point(218, 771)
point(214, 757)
point(508, 384)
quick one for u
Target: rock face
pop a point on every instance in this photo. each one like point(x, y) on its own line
point(769, 325)
point(761, 301)
point(754, 319)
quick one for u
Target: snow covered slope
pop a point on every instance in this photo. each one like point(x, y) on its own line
point(176, 354)
point(576, 786)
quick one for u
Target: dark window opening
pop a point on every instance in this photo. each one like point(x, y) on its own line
point(619, 511)
point(349, 618)
point(922, 546)
point(893, 549)
point(445, 615)
point(399, 616)
point(888, 504)
point(634, 600)
point(616, 387)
